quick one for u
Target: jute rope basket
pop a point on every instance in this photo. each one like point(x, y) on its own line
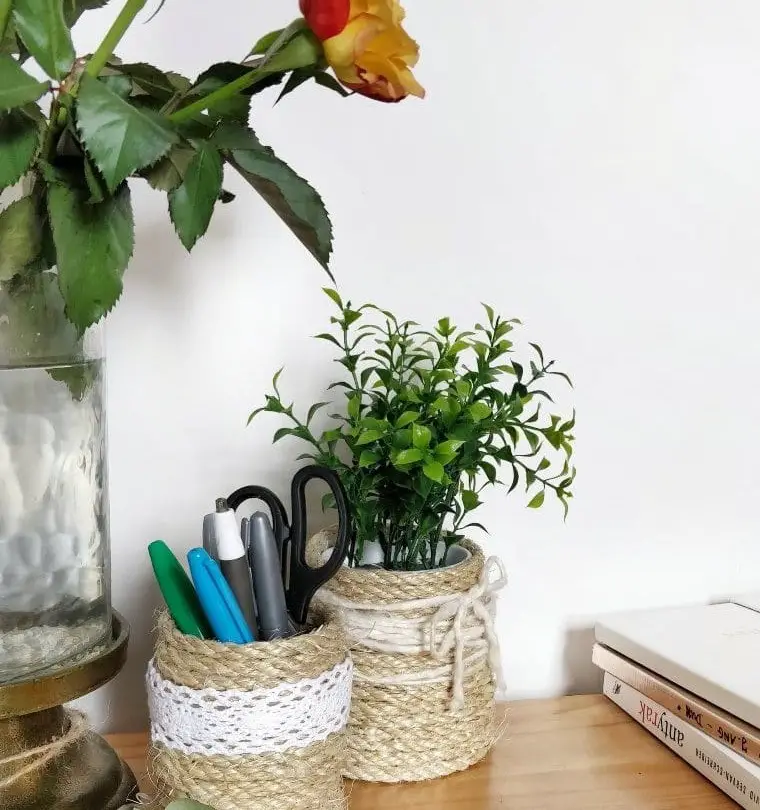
point(250, 727)
point(426, 665)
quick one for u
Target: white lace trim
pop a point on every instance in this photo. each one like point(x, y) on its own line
point(262, 721)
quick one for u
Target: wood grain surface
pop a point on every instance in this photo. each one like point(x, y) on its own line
point(571, 753)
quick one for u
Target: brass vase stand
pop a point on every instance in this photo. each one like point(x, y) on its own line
point(85, 775)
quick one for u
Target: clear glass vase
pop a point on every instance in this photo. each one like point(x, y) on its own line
point(54, 534)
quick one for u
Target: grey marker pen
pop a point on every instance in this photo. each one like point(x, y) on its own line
point(232, 560)
point(264, 558)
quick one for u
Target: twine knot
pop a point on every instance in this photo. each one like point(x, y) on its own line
point(475, 602)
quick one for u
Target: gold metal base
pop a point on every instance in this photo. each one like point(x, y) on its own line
point(86, 775)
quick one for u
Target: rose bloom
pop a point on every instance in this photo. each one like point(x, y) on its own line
point(366, 46)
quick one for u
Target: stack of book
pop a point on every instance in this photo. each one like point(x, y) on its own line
point(691, 677)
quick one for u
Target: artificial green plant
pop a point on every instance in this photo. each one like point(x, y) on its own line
point(430, 418)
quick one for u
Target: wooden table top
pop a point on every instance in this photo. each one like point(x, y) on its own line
point(571, 753)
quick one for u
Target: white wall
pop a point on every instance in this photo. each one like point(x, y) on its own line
point(591, 167)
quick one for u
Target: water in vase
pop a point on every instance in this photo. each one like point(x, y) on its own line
point(54, 600)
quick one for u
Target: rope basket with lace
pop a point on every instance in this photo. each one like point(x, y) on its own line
point(426, 664)
point(250, 726)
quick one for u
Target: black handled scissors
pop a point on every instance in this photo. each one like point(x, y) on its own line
point(300, 579)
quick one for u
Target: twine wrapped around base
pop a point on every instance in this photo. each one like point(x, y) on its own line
point(426, 665)
point(250, 727)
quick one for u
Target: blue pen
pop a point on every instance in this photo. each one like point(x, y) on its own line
point(217, 600)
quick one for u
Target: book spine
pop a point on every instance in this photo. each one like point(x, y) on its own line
point(737, 778)
point(743, 739)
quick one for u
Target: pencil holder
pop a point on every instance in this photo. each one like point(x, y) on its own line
point(250, 726)
point(426, 664)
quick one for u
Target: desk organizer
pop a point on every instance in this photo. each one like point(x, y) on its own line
point(250, 726)
point(426, 664)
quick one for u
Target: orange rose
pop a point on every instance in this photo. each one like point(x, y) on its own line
point(366, 45)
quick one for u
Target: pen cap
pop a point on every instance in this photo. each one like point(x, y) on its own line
point(229, 546)
point(264, 558)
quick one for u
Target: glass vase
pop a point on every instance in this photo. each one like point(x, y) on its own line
point(54, 533)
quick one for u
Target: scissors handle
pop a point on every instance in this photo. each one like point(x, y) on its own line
point(276, 507)
point(304, 580)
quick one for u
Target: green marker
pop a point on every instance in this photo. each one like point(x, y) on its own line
point(178, 592)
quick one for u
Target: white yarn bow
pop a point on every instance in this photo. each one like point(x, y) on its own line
point(456, 637)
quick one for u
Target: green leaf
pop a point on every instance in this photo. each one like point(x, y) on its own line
point(17, 87)
point(120, 137)
point(73, 9)
point(93, 245)
point(265, 42)
point(407, 418)
point(330, 338)
point(297, 204)
point(434, 471)
point(187, 804)
point(368, 458)
point(170, 171)
point(489, 470)
point(354, 406)
point(446, 451)
point(410, 456)
point(537, 500)
point(121, 85)
point(20, 132)
point(470, 499)
point(479, 411)
point(281, 433)
point(20, 236)
point(42, 28)
point(313, 410)
point(331, 83)
point(489, 312)
point(295, 80)
point(369, 436)
point(420, 436)
point(192, 203)
point(333, 295)
point(149, 79)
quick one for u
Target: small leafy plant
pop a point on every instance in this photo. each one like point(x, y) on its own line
point(430, 420)
point(77, 138)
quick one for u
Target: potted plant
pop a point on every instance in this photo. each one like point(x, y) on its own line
point(431, 418)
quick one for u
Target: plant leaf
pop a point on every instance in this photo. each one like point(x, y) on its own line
point(409, 456)
point(93, 245)
point(17, 87)
point(368, 458)
point(434, 471)
point(120, 137)
point(369, 436)
point(121, 85)
point(470, 499)
point(420, 436)
point(186, 804)
point(537, 500)
point(73, 9)
point(331, 83)
point(191, 204)
point(479, 411)
point(42, 28)
point(20, 134)
point(20, 236)
point(407, 418)
point(298, 205)
point(170, 171)
point(314, 409)
point(148, 78)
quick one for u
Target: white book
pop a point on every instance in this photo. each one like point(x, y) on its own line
point(710, 650)
point(734, 775)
